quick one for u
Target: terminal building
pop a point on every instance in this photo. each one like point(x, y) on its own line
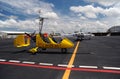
point(10, 34)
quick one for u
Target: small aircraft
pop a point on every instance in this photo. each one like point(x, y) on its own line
point(83, 36)
point(42, 41)
point(79, 36)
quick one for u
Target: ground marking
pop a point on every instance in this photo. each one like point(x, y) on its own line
point(115, 68)
point(27, 62)
point(2, 60)
point(48, 64)
point(14, 61)
point(68, 70)
point(63, 68)
point(64, 65)
point(88, 67)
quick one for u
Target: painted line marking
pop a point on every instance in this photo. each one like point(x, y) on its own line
point(2, 60)
point(47, 64)
point(115, 68)
point(27, 62)
point(62, 68)
point(68, 70)
point(64, 65)
point(88, 67)
point(14, 61)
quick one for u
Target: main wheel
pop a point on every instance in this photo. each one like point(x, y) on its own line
point(64, 50)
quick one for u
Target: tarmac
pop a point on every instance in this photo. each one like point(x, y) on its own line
point(98, 58)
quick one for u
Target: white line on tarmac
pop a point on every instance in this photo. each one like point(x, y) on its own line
point(2, 60)
point(64, 65)
point(48, 64)
point(115, 68)
point(14, 61)
point(89, 67)
point(27, 62)
point(61, 65)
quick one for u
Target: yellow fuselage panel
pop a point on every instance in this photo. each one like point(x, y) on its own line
point(65, 43)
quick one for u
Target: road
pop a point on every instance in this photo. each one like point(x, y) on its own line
point(97, 58)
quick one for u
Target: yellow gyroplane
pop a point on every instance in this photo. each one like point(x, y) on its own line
point(41, 42)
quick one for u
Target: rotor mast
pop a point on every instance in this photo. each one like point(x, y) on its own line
point(40, 24)
point(41, 20)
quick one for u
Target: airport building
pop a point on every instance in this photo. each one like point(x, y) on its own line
point(9, 34)
point(114, 31)
point(2, 34)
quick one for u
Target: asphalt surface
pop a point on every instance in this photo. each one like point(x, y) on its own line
point(98, 58)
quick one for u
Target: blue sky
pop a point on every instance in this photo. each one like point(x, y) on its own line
point(64, 5)
point(63, 15)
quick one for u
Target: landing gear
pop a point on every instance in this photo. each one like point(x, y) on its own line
point(33, 50)
point(64, 50)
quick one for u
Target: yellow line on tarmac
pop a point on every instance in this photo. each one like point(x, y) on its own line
point(67, 71)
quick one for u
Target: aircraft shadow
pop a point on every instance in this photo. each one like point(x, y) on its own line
point(53, 52)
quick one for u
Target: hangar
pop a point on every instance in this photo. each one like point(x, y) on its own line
point(10, 34)
point(114, 31)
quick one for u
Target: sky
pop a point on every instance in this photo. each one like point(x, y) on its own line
point(60, 15)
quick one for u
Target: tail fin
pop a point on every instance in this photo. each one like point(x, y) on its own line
point(21, 41)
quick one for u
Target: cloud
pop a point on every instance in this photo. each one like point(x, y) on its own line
point(90, 26)
point(97, 18)
point(49, 15)
point(19, 25)
point(104, 2)
point(88, 11)
point(88, 18)
point(29, 6)
point(7, 23)
point(2, 14)
point(112, 12)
